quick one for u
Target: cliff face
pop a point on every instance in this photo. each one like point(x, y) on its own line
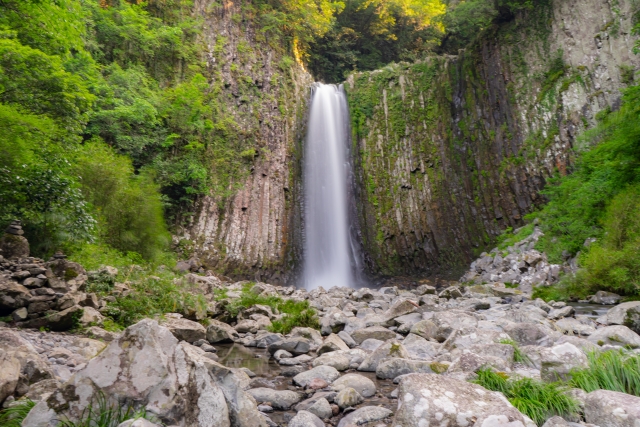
point(452, 150)
point(246, 231)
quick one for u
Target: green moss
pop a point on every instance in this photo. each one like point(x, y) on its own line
point(439, 368)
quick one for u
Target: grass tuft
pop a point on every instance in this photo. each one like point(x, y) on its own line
point(518, 355)
point(537, 400)
point(609, 370)
point(13, 415)
point(102, 413)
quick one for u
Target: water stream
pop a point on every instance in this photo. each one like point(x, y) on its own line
point(331, 250)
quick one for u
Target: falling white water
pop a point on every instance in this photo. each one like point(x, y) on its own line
point(327, 245)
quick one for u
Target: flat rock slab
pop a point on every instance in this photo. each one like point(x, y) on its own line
point(434, 400)
point(375, 332)
point(365, 415)
point(279, 399)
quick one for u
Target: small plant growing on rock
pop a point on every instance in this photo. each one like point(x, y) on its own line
point(103, 413)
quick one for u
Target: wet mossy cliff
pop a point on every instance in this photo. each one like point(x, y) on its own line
point(244, 229)
point(454, 149)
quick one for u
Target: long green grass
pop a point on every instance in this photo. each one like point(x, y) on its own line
point(518, 355)
point(13, 415)
point(102, 413)
point(295, 313)
point(609, 370)
point(537, 400)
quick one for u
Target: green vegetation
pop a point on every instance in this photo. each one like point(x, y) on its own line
point(537, 400)
point(600, 200)
point(609, 370)
point(295, 313)
point(508, 237)
point(102, 413)
point(154, 292)
point(13, 415)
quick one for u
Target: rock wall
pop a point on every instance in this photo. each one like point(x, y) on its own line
point(454, 149)
point(247, 230)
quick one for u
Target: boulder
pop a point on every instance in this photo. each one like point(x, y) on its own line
point(101, 334)
point(420, 348)
point(425, 329)
point(279, 399)
point(389, 349)
point(395, 367)
point(294, 345)
point(321, 408)
point(14, 246)
point(348, 397)
point(612, 409)
point(375, 332)
point(66, 319)
point(615, 335)
point(180, 386)
point(327, 373)
point(339, 361)
point(347, 339)
point(627, 314)
point(558, 361)
point(220, 332)
point(364, 415)
point(430, 399)
point(332, 343)
point(448, 321)
point(605, 298)
point(9, 374)
point(363, 385)
point(305, 419)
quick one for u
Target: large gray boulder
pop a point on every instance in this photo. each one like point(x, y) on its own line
point(395, 367)
point(430, 399)
point(627, 314)
point(615, 335)
point(294, 345)
point(612, 409)
point(171, 380)
point(558, 361)
point(332, 343)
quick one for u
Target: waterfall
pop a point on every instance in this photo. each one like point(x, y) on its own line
point(331, 250)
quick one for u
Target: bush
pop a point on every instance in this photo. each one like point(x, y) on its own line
point(295, 313)
point(128, 206)
point(609, 370)
point(537, 400)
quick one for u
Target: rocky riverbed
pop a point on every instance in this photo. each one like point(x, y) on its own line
point(394, 356)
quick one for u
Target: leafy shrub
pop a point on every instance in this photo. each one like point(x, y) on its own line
point(295, 313)
point(537, 400)
point(609, 370)
point(13, 415)
point(128, 206)
point(508, 237)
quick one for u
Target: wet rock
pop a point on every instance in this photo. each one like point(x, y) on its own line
point(612, 409)
point(429, 399)
point(615, 335)
point(326, 373)
point(363, 385)
point(605, 298)
point(294, 345)
point(348, 397)
point(305, 419)
point(183, 329)
point(218, 332)
point(373, 332)
point(365, 415)
point(279, 399)
point(395, 367)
